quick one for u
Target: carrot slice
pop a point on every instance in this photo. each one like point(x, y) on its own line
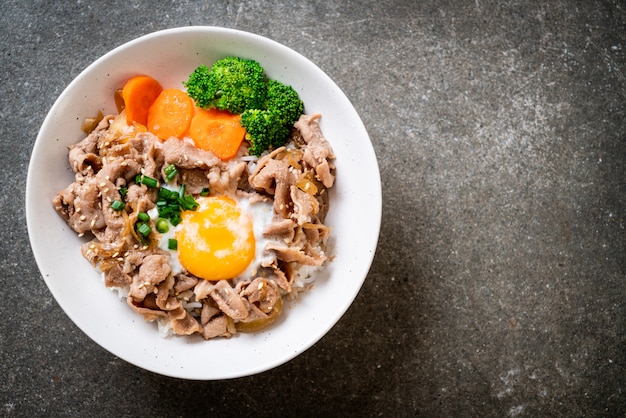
point(170, 114)
point(139, 93)
point(217, 131)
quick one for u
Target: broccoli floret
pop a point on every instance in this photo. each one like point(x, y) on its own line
point(268, 108)
point(284, 102)
point(233, 84)
point(270, 126)
point(263, 130)
point(200, 86)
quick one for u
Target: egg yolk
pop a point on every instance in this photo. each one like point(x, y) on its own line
point(216, 241)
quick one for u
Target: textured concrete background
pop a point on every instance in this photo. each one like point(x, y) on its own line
point(499, 285)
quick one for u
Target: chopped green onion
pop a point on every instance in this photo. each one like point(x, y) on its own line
point(166, 194)
point(164, 211)
point(118, 205)
point(161, 226)
point(172, 244)
point(170, 172)
point(143, 228)
point(143, 216)
point(171, 203)
point(123, 190)
point(188, 203)
point(148, 181)
point(176, 219)
point(163, 193)
point(205, 191)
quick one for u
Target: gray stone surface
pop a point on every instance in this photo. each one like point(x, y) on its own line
point(499, 284)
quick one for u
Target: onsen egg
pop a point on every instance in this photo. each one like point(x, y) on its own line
point(217, 240)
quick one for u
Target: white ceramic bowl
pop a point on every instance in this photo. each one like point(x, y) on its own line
point(355, 210)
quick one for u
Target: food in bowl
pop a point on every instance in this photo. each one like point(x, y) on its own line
point(201, 234)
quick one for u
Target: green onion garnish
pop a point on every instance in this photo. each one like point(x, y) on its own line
point(170, 172)
point(163, 193)
point(205, 191)
point(188, 203)
point(172, 244)
point(148, 181)
point(161, 226)
point(143, 216)
point(118, 205)
point(176, 219)
point(123, 190)
point(143, 228)
point(171, 203)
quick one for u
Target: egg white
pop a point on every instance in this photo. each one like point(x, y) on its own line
point(261, 214)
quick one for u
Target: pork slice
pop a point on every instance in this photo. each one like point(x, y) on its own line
point(83, 156)
point(194, 179)
point(80, 205)
point(153, 270)
point(305, 206)
point(184, 282)
point(185, 155)
point(229, 301)
point(179, 312)
point(115, 277)
point(146, 308)
point(218, 326)
point(134, 258)
point(141, 196)
point(202, 289)
point(274, 177)
point(113, 228)
point(225, 178)
point(164, 295)
point(185, 326)
point(262, 293)
point(316, 232)
point(283, 229)
point(208, 312)
point(119, 168)
point(278, 276)
point(290, 254)
point(317, 152)
point(142, 149)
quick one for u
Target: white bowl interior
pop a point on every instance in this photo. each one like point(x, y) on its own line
point(355, 210)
